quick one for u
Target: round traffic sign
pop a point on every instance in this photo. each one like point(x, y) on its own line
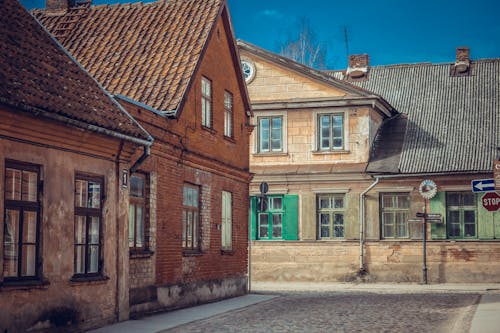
point(491, 201)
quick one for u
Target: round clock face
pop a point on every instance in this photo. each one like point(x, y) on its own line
point(248, 70)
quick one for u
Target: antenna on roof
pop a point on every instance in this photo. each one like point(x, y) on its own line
point(346, 39)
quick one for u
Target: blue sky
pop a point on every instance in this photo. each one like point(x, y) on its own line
point(390, 31)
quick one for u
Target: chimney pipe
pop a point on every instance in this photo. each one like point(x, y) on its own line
point(59, 5)
point(358, 66)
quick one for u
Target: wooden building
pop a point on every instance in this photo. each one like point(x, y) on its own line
point(344, 154)
point(65, 150)
point(175, 67)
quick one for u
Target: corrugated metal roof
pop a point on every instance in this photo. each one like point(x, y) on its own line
point(453, 121)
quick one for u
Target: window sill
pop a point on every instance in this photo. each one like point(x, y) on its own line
point(227, 252)
point(141, 254)
point(94, 279)
point(24, 284)
point(229, 139)
point(329, 152)
point(208, 129)
point(191, 253)
point(278, 153)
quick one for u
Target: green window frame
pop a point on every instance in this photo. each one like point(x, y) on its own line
point(286, 223)
point(331, 213)
point(331, 131)
point(394, 214)
point(461, 215)
point(270, 134)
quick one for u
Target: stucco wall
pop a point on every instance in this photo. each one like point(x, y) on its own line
point(88, 304)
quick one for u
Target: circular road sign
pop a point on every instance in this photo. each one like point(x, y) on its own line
point(264, 187)
point(491, 201)
point(427, 189)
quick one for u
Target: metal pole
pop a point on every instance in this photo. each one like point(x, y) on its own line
point(424, 268)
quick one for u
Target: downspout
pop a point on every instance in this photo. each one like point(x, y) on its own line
point(137, 164)
point(362, 223)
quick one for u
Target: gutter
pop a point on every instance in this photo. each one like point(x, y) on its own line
point(168, 114)
point(362, 223)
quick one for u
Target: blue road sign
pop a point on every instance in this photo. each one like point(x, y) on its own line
point(483, 185)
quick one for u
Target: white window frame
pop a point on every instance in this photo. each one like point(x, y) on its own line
point(227, 221)
point(394, 211)
point(206, 102)
point(316, 146)
point(284, 134)
point(228, 114)
point(331, 212)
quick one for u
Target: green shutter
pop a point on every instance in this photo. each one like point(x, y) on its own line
point(438, 205)
point(253, 217)
point(291, 217)
point(485, 220)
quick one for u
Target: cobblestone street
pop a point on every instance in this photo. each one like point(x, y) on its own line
point(346, 312)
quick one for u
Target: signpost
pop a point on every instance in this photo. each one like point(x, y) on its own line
point(428, 190)
point(496, 174)
point(491, 201)
point(483, 185)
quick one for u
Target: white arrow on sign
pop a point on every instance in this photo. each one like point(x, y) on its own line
point(483, 185)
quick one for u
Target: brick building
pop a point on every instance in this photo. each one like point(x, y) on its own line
point(344, 154)
point(174, 66)
point(64, 143)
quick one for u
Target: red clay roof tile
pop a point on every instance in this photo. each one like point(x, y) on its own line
point(146, 52)
point(37, 74)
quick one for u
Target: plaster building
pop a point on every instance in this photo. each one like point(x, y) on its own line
point(344, 154)
point(175, 67)
point(64, 144)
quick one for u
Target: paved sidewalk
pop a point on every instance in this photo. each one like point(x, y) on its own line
point(486, 318)
point(163, 321)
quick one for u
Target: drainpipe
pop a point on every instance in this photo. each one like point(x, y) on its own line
point(362, 222)
point(137, 164)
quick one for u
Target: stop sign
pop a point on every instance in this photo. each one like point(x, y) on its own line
point(491, 201)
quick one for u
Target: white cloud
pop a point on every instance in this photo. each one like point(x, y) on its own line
point(271, 14)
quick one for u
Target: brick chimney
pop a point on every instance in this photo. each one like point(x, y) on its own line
point(59, 5)
point(462, 62)
point(358, 66)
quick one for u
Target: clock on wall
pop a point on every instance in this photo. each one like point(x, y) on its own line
point(248, 70)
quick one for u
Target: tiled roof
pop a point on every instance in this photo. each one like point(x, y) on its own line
point(145, 52)
point(453, 121)
point(37, 75)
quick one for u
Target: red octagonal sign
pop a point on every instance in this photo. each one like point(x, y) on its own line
point(491, 201)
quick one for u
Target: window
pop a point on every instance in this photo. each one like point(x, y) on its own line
point(88, 225)
point(190, 217)
point(137, 212)
point(228, 114)
point(206, 102)
point(270, 222)
point(461, 215)
point(227, 221)
point(270, 134)
point(395, 213)
point(331, 216)
point(331, 131)
point(21, 233)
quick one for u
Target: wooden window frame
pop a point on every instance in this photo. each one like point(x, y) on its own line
point(206, 103)
point(228, 114)
point(144, 202)
point(195, 246)
point(88, 213)
point(22, 206)
point(260, 140)
point(227, 221)
point(331, 137)
point(331, 211)
point(394, 211)
point(461, 208)
point(270, 214)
